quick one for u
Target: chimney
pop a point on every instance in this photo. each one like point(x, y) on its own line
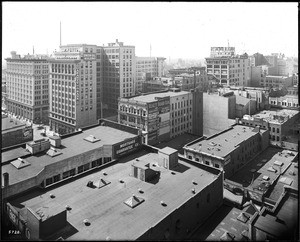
point(6, 179)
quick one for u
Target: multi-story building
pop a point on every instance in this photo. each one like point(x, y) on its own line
point(227, 68)
point(257, 74)
point(99, 80)
point(273, 61)
point(44, 162)
point(164, 115)
point(119, 73)
point(146, 69)
point(230, 149)
point(289, 101)
point(279, 122)
point(73, 88)
point(28, 87)
point(295, 79)
point(153, 194)
point(257, 94)
point(14, 132)
point(218, 112)
point(187, 79)
point(277, 81)
point(157, 84)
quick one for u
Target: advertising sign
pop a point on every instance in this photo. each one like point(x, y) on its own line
point(164, 105)
point(89, 56)
point(126, 147)
point(27, 133)
point(77, 86)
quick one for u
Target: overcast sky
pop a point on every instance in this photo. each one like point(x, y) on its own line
point(174, 29)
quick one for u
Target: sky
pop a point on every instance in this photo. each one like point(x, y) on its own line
point(173, 29)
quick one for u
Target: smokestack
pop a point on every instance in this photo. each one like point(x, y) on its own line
point(6, 179)
point(59, 34)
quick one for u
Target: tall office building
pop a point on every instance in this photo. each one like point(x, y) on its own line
point(228, 68)
point(146, 69)
point(118, 74)
point(27, 87)
point(165, 115)
point(73, 88)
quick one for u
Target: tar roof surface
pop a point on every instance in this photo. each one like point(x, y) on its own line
point(223, 220)
point(287, 212)
point(71, 146)
point(222, 144)
point(8, 126)
point(105, 208)
point(151, 97)
point(261, 164)
point(13, 154)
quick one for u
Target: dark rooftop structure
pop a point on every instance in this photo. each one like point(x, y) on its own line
point(71, 146)
point(262, 172)
point(9, 124)
point(224, 143)
point(127, 207)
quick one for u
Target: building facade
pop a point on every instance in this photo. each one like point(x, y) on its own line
point(162, 116)
point(119, 74)
point(229, 69)
point(218, 112)
point(73, 88)
point(146, 69)
point(279, 122)
point(28, 87)
point(277, 81)
point(229, 150)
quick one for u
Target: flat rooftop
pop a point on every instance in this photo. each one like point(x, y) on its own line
point(9, 124)
point(251, 175)
point(109, 217)
point(268, 115)
point(178, 142)
point(224, 143)
point(13, 154)
point(225, 219)
point(151, 97)
point(71, 146)
point(284, 223)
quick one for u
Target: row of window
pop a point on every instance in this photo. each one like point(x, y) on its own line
point(80, 169)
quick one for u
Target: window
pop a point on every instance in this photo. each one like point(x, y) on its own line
point(217, 165)
point(206, 162)
point(49, 181)
point(80, 169)
point(208, 198)
point(56, 178)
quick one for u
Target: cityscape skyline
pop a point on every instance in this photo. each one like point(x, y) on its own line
point(188, 31)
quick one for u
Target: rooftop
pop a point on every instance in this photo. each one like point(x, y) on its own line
point(71, 146)
point(242, 100)
point(226, 219)
point(9, 124)
point(104, 207)
point(265, 169)
point(151, 97)
point(283, 223)
point(224, 143)
point(268, 115)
